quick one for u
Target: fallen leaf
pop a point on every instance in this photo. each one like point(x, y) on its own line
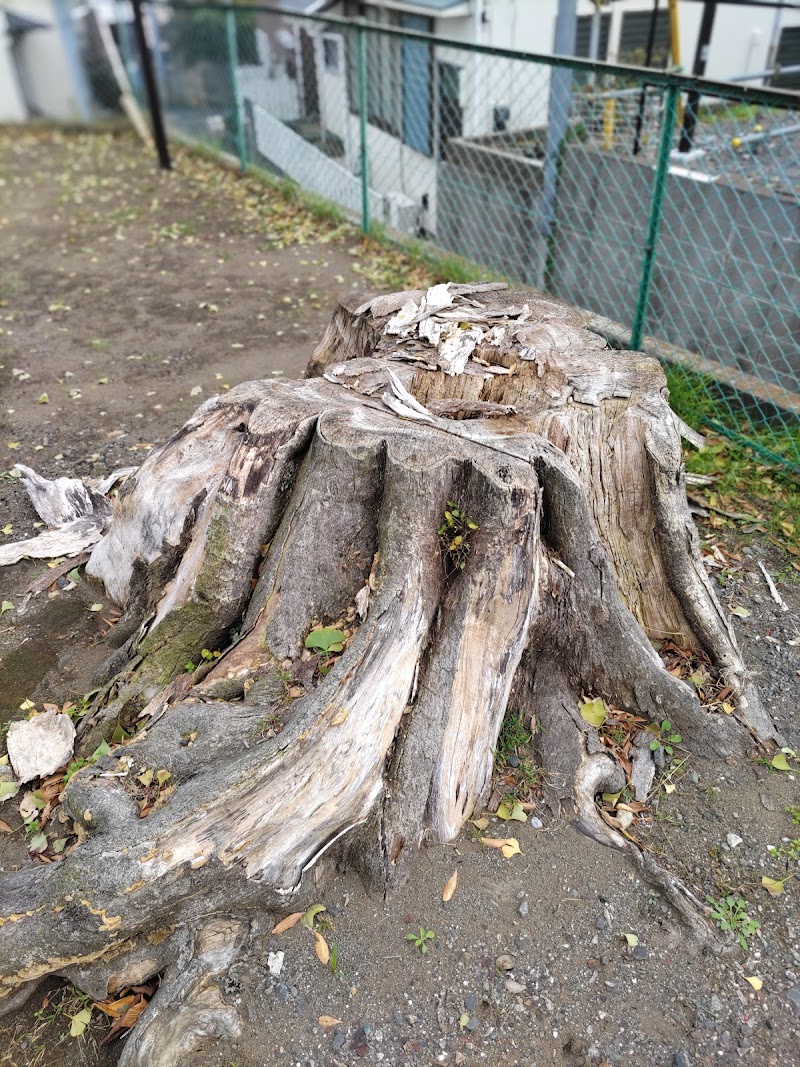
point(38, 843)
point(321, 948)
point(632, 940)
point(96, 607)
point(754, 981)
point(43, 399)
point(450, 887)
point(196, 390)
point(741, 613)
point(512, 811)
point(669, 787)
point(328, 1020)
point(80, 1022)
point(481, 824)
point(309, 916)
point(593, 711)
point(774, 886)
point(780, 763)
point(5, 827)
point(6, 606)
point(509, 846)
point(288, 922)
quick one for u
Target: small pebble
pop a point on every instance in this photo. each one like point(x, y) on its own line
point(505, 962)
point(524, 908)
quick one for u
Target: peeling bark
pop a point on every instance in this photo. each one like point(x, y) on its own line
point(285, 505)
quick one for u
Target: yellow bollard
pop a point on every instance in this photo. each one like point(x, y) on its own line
point(609, 115)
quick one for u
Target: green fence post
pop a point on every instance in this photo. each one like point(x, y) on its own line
point(656, 210)
point(362, 126)
point(233, 63)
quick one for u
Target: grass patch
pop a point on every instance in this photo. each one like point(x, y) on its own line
point(769, 492)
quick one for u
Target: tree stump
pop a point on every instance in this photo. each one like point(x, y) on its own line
point(283, 506)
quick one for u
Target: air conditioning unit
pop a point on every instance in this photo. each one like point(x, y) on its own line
point(401, 212)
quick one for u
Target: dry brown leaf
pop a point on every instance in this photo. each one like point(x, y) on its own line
point(5, 827)
point(288, 922)
point(493, 842)
point(131, 1016)
point(321, 948)
point(450, 887)
point(328, 1020)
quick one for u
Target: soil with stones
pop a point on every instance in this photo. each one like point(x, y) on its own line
point(128, 296)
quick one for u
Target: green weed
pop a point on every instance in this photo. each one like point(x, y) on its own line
point(730, 913)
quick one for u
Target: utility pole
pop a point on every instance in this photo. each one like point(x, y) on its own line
point(558, 109)
point(651, 40)
point(151, 87)
point(699, 69)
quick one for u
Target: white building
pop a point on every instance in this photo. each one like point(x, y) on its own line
point(420, 96)
point(38, 77)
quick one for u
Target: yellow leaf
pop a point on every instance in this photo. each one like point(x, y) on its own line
point(754, 981)
point(310, 915)
point(669, 787)
point(593, 711)
point(288, 922)
point(321, 948)
point(328, 1020)
point(779, 762)
point(8, 528)
point(772, 885)
point(480, 824)
point(146, 778)
point(96, 607)
point(13, 444)
point(43, 399)
point(450, 887)
point(80, 1022)
point(511, 848)
point(632, 940)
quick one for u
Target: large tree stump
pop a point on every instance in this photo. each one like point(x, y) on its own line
point(285, 505)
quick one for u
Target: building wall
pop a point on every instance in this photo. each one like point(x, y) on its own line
point(46, 73)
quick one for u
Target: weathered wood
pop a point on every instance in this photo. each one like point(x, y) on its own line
point(285, 505)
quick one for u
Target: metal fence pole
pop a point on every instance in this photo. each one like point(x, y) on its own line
point(362, 126)
point(656, 210)
point(233, 64)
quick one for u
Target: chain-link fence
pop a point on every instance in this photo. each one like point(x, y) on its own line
point(665, 206)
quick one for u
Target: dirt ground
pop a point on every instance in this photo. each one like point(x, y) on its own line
point(126, 297)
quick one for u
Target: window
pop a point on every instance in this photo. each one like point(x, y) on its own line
point(330, 54)
point(583, 35)
point(398, 76)
point(788, 56)
point(635, 35)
